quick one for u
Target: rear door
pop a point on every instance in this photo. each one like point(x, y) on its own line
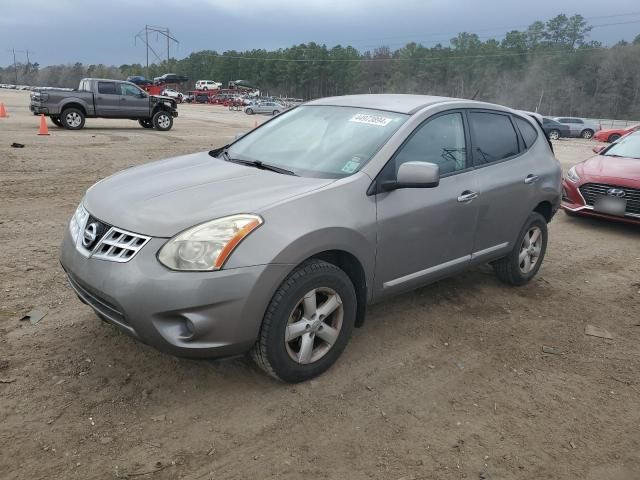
point(427, 233)
point(507, 175)
point(107, 99)
point(134, 103)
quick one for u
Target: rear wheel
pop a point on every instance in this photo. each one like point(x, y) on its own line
point(613, 138)
point(72, 119)
point(162, 121)
point(587, 133)
point(524, 261)
point(554, 134)
point(308, 323)
point(146, 123)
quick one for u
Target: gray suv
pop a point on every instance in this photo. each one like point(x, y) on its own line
point(276, 243)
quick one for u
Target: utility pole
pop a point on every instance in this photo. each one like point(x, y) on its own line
point(161, 31)
point(15, 66)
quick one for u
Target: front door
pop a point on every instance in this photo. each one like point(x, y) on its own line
point(134, 103)
point(427, 233)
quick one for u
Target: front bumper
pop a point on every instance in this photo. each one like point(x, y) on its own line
point(573, 202)
point(38, 109)
point(191, 314)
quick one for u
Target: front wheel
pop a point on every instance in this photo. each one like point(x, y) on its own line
point(146, 123)
point(162, 121)
point(56, 121)
point(307, 324)
point(613, 138)
point(554, 135)
point(249, 111)
point(275, 112)
point(524, 261)
point(587, 134)
point(72, 119)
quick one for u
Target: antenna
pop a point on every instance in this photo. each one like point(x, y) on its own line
point(158, 30)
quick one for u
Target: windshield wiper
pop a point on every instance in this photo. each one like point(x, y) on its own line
point(257, 164)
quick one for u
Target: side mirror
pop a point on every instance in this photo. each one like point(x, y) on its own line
point(598, 148)
point(414, 175)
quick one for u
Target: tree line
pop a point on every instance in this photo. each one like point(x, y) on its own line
point(551, 67)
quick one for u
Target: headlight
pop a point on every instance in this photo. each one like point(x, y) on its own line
point(77, 222)
point(572, 175)
point(207, 246)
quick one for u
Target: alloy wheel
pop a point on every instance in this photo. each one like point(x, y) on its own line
point(73, 119)
point(314, 325)
point(530, 250)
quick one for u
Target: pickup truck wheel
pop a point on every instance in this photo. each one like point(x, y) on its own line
point(308, 323)
point(162, 121)
point(524, 261)
point(56, 121)
point(72, 119)
point(146, 123)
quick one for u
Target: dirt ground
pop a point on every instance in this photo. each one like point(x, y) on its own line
point(447, 382)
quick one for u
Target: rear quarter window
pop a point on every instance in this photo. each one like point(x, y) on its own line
point(107, 88)
point(528, 131)
point(493, 137)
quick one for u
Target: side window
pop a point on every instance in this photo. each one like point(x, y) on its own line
point(107, 88)
point(529, 133)
point(440, 141)
point(577, 120)
point(493, 137)
point(129, 90)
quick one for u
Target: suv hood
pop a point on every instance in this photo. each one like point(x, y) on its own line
point(161, 199)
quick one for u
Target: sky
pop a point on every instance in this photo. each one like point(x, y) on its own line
point(103, 31)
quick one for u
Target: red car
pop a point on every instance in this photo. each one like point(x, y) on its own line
point(608, 184)
point(612, 134)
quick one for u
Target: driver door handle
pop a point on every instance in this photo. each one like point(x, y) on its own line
point(467, 196)
point(531, 179)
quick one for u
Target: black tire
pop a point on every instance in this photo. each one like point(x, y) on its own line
point(554, 134)
point(56, 121)
point(613, 138)
point(72, 119)
point(204, 89)
point(162, 121)
point(587, 133)
point(146, 123)
point(272, 352)
point(508, 269)
point(249, 111)
point(275, 112)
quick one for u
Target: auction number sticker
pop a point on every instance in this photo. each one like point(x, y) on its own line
point(376, 120)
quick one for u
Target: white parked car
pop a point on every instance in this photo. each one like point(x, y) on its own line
point(207, 85)
point(170, 92)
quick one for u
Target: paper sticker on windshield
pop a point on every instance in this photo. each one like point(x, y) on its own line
point(351, 166)
point(377, 120)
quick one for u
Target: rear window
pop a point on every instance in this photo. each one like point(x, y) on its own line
point(493, 137)
point(107, 88)
point(528, 132)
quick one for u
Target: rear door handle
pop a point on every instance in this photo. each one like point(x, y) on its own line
point(467, 196)
point(531, 179)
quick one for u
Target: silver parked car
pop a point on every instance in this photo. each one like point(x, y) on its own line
point(273, 108)
point(579, 127)
point(276, 243)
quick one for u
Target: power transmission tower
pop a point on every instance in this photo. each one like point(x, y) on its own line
point(15, 63)
point(164, 31)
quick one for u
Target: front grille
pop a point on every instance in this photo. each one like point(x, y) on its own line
point(591, 191)
point(102, 241)
point(118, 245)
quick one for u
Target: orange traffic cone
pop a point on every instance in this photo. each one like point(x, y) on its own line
point(3, 112)
point(44, 130)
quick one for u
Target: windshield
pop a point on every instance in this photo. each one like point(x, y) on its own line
point(319, 141)
point(626, 147)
